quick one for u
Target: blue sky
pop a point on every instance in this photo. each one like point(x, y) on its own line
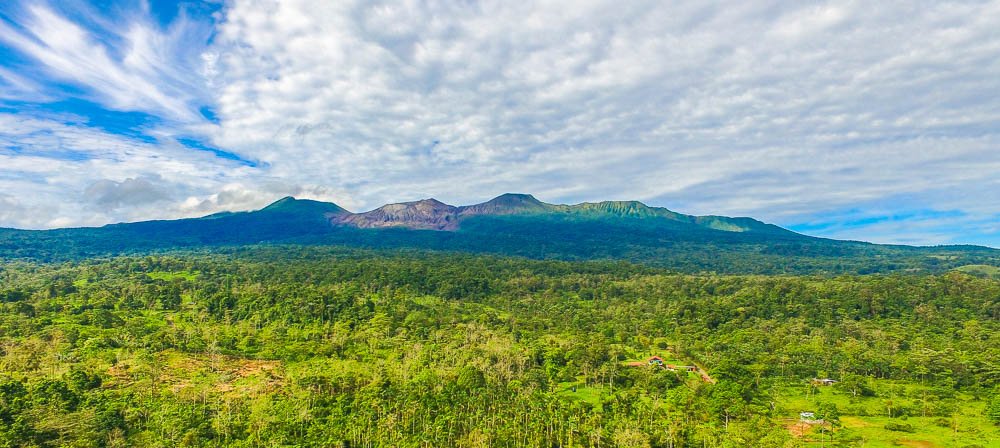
point(876, 122)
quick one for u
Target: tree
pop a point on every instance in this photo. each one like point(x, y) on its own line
point(471, 379)
point(856, 385)
point(993, 408)
point(726, 400)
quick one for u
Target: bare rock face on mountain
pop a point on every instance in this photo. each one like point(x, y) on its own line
point(429, 214)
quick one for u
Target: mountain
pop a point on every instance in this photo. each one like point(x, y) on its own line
point(428, 214)
point(509, 225)
point(507, 204)
point(431, 214)
point(289, 204)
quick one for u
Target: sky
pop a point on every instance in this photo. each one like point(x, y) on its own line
point(874, 121)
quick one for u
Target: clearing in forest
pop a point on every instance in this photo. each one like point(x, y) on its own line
point(187, 373)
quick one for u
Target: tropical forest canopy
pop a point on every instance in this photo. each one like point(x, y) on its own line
point(320, 346)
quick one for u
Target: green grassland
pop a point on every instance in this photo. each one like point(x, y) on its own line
point(579, 390)
point(956, 420)
point(980, 270)
point(169, 276)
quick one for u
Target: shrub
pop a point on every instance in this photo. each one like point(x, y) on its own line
point(901, 427)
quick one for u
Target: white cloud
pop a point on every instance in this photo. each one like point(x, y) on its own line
point(834, 102)
point(149, 74)
point(19, 88)
point(129, 192)
point(54, 174)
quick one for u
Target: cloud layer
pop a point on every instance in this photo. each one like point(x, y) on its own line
point(844, 119)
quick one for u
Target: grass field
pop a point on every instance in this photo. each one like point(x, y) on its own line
point(588, 394)
point(980, 270)
point(168, 276)
point(864, 420)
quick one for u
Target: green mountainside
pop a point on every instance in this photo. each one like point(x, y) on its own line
point(289, 204)
point(511, 224)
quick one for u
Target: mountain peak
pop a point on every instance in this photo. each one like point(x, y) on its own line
point(430, 202)
point(289, 204)
point(280, 203)
point(428, 214)
point(506, 204)
point(515, 199)
point(523, 197)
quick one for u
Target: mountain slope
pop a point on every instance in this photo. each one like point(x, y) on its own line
point(289, 204)
point(511, 224)
point(431, 214)
point(507, 204)
point(428, 214)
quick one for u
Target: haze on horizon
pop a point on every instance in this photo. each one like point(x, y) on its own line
point(851, 120)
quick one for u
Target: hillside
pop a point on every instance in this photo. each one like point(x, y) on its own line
point(511, 224)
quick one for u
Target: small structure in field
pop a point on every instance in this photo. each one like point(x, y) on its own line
point(807, 416)
point(653, 361)
point(672, 368)
point(823, 382)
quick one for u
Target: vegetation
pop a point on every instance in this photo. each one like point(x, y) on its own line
point(593, 233)
point(314, 346)
point(981, 270)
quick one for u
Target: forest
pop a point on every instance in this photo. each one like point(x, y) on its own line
point(338, 347)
